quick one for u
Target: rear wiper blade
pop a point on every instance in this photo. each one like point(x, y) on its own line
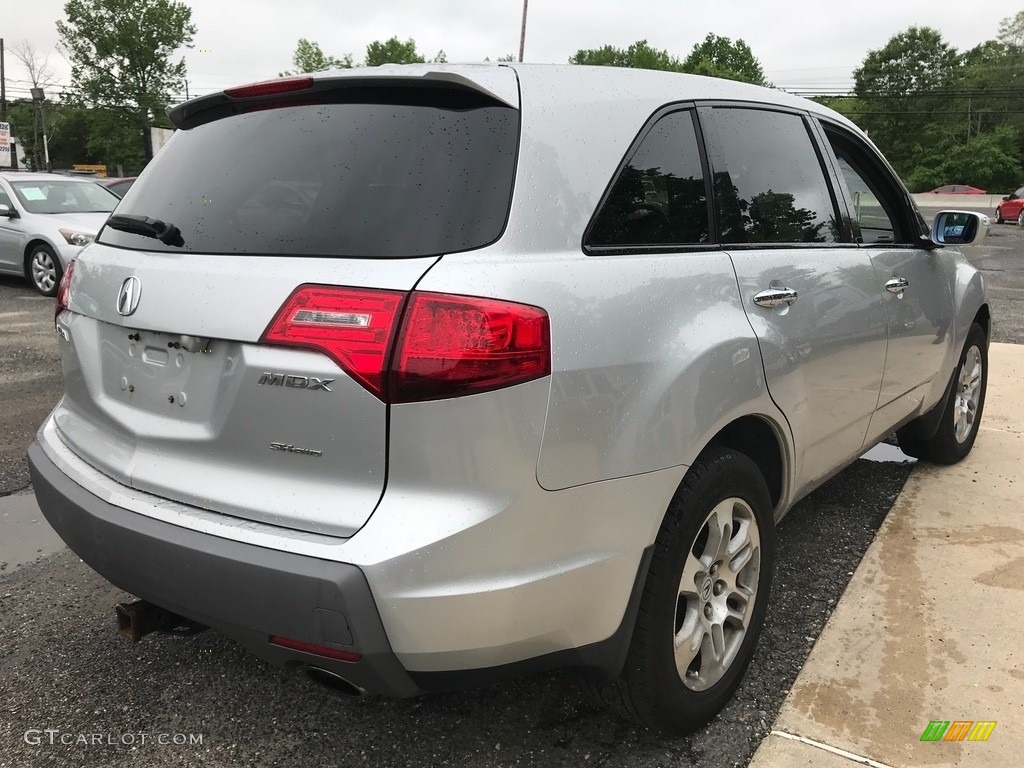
point(147, 227)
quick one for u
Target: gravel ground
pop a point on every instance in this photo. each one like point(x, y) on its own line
point(30, 376)
point(63, 666)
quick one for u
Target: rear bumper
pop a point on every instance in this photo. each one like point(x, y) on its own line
point(246, 592)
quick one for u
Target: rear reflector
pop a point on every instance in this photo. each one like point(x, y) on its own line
point(447, 345)
point(63, 292)
point(270, 87)
point(318, 650)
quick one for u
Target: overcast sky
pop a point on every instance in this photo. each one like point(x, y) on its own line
point(800, 43)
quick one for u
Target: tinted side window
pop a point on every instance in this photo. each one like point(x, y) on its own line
point(659, 197)
point(878, 202)
point(768, 180)
point(874, 223)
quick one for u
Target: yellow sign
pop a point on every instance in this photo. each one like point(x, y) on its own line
point(101, 170)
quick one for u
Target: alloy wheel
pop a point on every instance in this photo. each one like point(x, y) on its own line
point(717, 592)
point(968, 394)
point(44, 271)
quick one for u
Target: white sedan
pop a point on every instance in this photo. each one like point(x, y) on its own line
point(45, 220)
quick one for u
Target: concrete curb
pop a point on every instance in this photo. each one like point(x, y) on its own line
point(930, 626)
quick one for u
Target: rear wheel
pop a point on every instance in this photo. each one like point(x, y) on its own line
point(44, 269)
point(958, 427)
point(1020, 218)
point(999, 216)
point(705, 597)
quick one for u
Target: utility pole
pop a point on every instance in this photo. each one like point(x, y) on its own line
point(3, 85)
point(40, 98)
point(522, 34)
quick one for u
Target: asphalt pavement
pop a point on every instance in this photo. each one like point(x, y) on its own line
point(65, 674)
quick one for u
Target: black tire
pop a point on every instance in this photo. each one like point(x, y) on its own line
point(651, 689)
point(999, 216)
point(954, 439)
point(46, 280)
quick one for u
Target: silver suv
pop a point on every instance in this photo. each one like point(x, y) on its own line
point(416, 377)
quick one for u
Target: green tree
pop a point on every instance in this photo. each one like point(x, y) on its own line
point(114, 137)
point(309, 57)
point(721, 57)
point(990, 160)
point(120, 53)
point(393, 51)
point(69, 136)
point(1011, 31)
point(715, 57)
point(639, 55)
point(23, 117)
point(906, 85)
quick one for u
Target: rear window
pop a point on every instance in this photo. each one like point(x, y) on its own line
point(372, 180)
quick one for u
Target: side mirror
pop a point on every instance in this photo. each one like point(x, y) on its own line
point(959, 228)
point(8, 212)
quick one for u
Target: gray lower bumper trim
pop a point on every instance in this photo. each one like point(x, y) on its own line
point(249, 593)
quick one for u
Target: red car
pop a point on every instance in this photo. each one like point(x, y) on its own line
point(957, 189)
point(117, 186)
point(1012, 208)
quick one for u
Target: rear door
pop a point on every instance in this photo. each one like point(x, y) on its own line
point(811, 296)
point(168, 386)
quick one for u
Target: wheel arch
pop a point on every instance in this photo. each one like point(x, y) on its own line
point(983, 317)
point(760, 440)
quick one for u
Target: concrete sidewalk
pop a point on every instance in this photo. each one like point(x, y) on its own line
point(931, 626)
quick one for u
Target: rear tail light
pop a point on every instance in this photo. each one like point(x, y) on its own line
point(353, 327)
point(420, 346)
point(459, 345)
point(63, 292)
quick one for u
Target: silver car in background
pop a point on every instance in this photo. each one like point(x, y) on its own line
point(417, 377)
point(45, 220)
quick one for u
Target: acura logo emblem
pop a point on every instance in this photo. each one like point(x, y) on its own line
point(128, 298)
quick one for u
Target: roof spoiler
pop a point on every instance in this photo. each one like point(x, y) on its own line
point(309, 89)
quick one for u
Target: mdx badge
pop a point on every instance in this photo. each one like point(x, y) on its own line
point(296, 382)
point(129, 295)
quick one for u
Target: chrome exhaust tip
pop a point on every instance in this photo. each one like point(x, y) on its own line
point(334, 682)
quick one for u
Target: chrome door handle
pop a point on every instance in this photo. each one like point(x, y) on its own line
point(897, 285)
point(775, 297)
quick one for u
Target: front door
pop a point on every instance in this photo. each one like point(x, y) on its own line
point(915, 283)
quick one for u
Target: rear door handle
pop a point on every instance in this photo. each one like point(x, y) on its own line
point(775, 297)
point(897, 285)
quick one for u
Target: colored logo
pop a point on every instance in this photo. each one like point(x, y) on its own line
point(958, 730)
